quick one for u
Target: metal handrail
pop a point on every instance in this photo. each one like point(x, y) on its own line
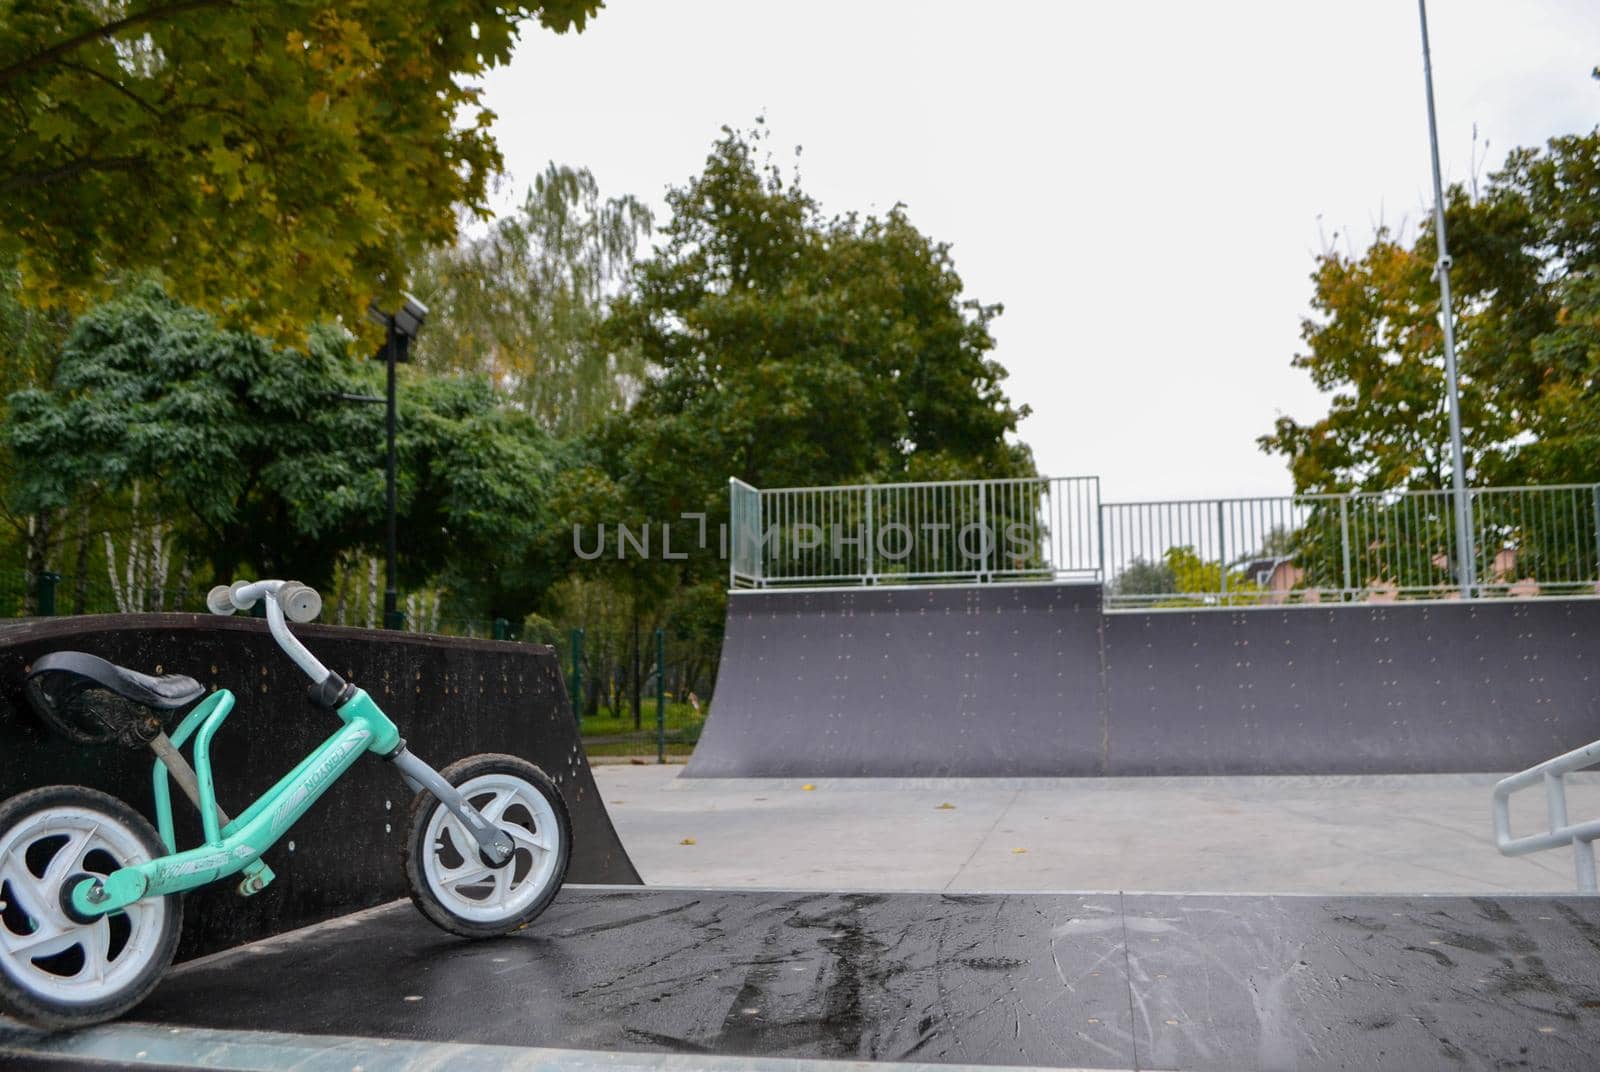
point(1335, 496)
point(1562, 832)
point(1265, 550)
point(914, 532)
point(927, 483)
point(1351, 546)
point(742, 573)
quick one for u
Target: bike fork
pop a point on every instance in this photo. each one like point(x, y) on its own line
point(496, 844)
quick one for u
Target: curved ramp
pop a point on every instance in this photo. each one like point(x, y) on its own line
point(450, 698)
point(1035, 681)
point(969, 681)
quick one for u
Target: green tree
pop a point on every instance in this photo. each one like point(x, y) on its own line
point(274, 158)
point(1377, 346)
point(1142, 577)
point(1526, 255)
point(1562, 188)
point(30, 341)
point(250, 452)
point(791, 349)
point(1201, 580)
point(787, 348)
point(525, 302)
point(1566, 445)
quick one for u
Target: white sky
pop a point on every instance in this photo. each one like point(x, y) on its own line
point(1144, 186)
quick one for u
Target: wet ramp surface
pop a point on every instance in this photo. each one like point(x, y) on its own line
point(1093, 980)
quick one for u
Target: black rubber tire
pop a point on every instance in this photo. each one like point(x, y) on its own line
point(413, 853)
point(51, 1013)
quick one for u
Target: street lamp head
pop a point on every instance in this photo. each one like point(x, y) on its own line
point(408, 321)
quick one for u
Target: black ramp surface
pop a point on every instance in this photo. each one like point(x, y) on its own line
point(1395, 689)
point(991, 680)
point(1092, 980)
point(1033, 680)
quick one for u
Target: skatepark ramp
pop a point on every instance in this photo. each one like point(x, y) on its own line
point(1036, 680)
point(453, 697)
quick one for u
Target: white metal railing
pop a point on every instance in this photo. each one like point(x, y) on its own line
point(744, 526)
point(1031, 528)
point(1360, 546)
point(1260, 551)
point(1562, 831)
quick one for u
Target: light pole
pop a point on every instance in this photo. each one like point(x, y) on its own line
point(399, 329)
point(1466, 552)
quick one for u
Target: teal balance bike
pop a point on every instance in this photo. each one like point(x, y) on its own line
point(91, 895)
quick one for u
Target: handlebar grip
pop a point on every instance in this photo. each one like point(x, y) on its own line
point(233, 595)
point(219, 600)
point(300, 602)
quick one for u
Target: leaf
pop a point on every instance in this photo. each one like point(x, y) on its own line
point(108, 140)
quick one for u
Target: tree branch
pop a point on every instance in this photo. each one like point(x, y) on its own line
point(26, 179)
point(118, 86)
point(110, 29)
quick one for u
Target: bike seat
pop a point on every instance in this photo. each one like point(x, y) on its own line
point(167, 692)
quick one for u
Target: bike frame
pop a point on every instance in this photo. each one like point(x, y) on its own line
point(238, 846)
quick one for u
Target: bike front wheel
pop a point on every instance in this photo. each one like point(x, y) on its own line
point(58, 971)
point(453, 884)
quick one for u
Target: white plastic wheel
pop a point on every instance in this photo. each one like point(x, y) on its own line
point(55, 971)
point(453, 884)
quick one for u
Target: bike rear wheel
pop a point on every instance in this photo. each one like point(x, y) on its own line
point(451, 882)
point(55, 971)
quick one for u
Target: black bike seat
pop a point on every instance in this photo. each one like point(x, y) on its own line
point(167, 692)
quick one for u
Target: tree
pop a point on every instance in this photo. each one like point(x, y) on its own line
point(1566, 445)
point(275, 159)
point(1526, 283)
point(1142, 577)
point(1378, 347)
point(1201, 581)
point(790, 349)
point(787, 348)
point(524, 303)
point(1562, 187)
point(252, 456)
point(1527, 307)
point(30, 340)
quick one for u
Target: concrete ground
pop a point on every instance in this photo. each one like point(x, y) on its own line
point(1347, 835)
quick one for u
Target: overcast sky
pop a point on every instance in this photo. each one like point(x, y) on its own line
point(1144, 186)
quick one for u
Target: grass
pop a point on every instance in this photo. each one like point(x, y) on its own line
point(611, 733)
point(646, 749)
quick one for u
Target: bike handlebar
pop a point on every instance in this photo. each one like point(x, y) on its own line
point(291, 599)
